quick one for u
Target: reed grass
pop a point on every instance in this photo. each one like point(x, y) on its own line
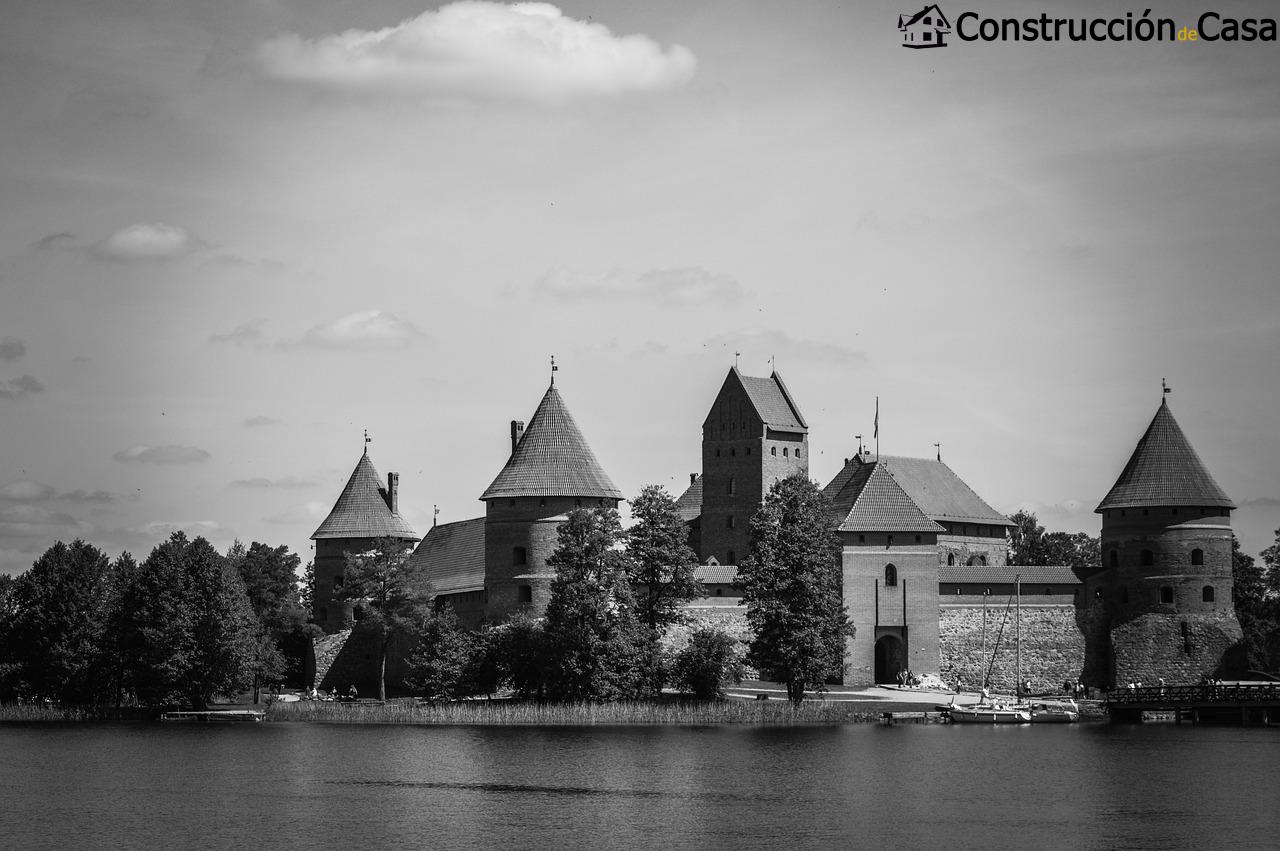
point(15, 713)
point(516, 713)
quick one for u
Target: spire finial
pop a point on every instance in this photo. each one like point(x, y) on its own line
point(938, 446)
point(553, 370)
point(773, 363)
point(435, 515)
point(367, 441)
point(1165, 389)
point(736, 355)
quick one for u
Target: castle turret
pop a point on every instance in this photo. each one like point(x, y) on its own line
point(1166, 583)
point(364, 512)
point(551, 471)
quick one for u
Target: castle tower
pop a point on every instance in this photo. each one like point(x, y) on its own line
point(364, 512)
point(889, 560)
point(753, 436)
point(551, 471)
point(1166, 579)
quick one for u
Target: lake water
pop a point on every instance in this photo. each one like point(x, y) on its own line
point(863, 786)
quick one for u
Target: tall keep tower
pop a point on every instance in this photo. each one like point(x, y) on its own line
point(551, 471)
point(1166, 552)
point(753, 436)
point(364, 512)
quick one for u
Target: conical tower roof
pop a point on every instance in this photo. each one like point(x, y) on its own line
point(1164, 471)
point(364, 509)
point(552, 459)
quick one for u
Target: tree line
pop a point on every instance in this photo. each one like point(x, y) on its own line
point(181, 627)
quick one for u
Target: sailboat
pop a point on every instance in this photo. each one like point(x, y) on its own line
point(988, 711)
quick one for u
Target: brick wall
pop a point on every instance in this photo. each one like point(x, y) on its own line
point(877, 610)
point(1181, 648)
point(1052, 644)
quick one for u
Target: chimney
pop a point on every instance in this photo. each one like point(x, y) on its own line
point(517, 432)
point(693, 477)
point(393, 491)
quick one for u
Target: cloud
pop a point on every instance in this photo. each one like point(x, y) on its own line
point(245, 334)
point(286, 483)
point(769, 342)
point(310, 512)
point(684, 285)
point(56, 242)
point(260, 421)
point(25, 490)
point(16, 388)
point(367, 330)
point(161, 455)
point(147, 242)
point(524, 51)
point(97, 496)
point(11, 348)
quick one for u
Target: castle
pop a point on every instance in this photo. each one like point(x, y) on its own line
point(923, 557)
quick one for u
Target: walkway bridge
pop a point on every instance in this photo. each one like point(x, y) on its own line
point(1246, 703)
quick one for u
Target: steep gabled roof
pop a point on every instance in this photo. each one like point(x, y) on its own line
point(872, 501)
point(918, 15)
point(363, 509)
point(1164, 470)
point(690, 502)
point(552, 459)
point(999, 574)
point(942, 494)
point(451, 556)
point(773, 402)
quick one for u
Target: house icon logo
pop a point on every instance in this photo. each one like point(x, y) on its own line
point(926, 28)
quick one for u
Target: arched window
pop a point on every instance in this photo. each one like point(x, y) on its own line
point(733, 486)
point(525, 593)
point(1206, 594)
point(982, 560)
point(1197, 557)
point(773, 450)
point(784, 452)
point(951, 559)
point(1166, 593)
point(729, 521)
point(519, 556)
point(1114, 558)
point(1148, 558)
point(890, 576)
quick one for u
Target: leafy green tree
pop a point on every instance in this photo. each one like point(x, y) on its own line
point(594, 646)
point(271, 582)
point(516, 653)
point(10, 669)
point(1257, 608)
point(1026, 540)
point(1078, 549)
point(1271, 558)
point(389, 593)
point(791, 585)
point(661, 560)
point(441, 665)
point(708, 663)
point(57, 636)
point(187, 629)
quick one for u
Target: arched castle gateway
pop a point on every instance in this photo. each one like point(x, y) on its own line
point(924, 557)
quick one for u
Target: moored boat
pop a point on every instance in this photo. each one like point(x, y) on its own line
point(994, 713)
point(1062, 712)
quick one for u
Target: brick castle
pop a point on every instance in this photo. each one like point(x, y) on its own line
point(924, 558)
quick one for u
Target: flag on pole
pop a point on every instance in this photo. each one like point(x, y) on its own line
point(876, 433)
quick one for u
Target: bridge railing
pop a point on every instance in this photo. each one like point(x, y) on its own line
point(1225, 693)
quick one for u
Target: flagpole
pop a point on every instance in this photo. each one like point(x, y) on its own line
point(877, 429)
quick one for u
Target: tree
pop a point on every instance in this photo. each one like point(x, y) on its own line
point(1026, 540)
point(1257, 607)
point(187, 629)
point(389, 593)
point(593, 645)
point(791, 585)
point(1271, 558)
point(661, 561)
point(440, 667)
point(57, 637)
point(271, 583)
point(1078, 549)
point(708, 663)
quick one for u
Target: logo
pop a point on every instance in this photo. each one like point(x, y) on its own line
point(926, 28)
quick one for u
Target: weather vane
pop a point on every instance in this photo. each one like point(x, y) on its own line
point(1165, 387)
point(367, 441)
point(938, 446)
point(736, 355)
point(553, 370)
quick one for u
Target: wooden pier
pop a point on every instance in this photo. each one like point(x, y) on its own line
point(216, 716)
point(1239, 703)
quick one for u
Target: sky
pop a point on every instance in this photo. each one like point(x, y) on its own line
point(235, 235)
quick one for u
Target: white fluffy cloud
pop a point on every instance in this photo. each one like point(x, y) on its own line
point(366, 330)
point(23, 385)
point(142, 242)
point(161, 455)
point(25, 490)
point(523, 51)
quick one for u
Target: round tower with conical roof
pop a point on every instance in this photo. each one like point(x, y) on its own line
point(1166, 581)
point(551, 471)
point(364, 512)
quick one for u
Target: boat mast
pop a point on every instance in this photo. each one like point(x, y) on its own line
point(1017, 631)
point(984, 639)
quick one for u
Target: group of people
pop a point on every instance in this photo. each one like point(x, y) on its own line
point(351, 695)
point(908, 678)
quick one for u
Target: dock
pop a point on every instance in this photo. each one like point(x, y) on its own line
point(216, 716)
point(1246, 704)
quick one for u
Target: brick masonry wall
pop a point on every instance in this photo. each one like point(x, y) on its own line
point(876, 608)
point(1053, 645)
point(963, 547)
point(1181, 648)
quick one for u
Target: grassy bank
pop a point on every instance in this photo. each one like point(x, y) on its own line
point(14, 713)
point(565, 714)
